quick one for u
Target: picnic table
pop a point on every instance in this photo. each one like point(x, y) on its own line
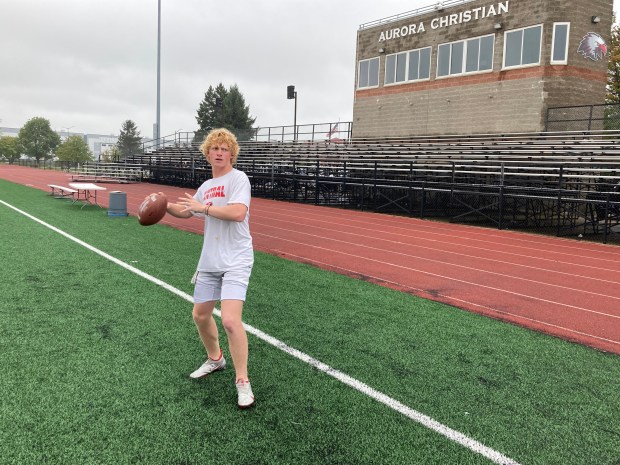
point(86, 192)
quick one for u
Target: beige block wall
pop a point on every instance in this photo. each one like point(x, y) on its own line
point(512, 106)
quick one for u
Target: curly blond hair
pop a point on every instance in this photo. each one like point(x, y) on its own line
point(221, 136)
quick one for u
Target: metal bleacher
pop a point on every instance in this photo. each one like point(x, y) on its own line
point(107, 172)
point(565, 183)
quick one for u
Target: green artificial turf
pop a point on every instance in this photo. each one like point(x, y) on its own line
point(95, 361)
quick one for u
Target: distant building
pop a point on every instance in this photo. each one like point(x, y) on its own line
point(12, 132)
point(97, 143)
point(475, 66)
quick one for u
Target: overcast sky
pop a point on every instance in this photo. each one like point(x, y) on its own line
point(89, 65)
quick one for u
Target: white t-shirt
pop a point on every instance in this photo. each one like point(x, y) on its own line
point(227, 244)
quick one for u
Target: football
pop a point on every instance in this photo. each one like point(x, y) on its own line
point(152, 209)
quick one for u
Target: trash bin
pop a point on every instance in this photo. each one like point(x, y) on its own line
point(118, 204)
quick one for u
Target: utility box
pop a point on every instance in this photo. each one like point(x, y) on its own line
point(118, 204)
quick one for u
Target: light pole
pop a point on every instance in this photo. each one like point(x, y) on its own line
point(157, 122)
point(292, 94)
point(67, 130)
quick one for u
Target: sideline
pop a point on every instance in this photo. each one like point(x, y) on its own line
point(424, 420)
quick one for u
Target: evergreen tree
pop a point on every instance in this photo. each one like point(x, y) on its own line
point(37, 139)
point(206, 112)
point(226, 108)
point(220, 96)
point(129, 141)
point(236, 114)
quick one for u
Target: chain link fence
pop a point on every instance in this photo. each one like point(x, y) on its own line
point(583, 118)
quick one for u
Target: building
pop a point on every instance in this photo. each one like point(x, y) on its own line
point(97, 143)
point(479, 66)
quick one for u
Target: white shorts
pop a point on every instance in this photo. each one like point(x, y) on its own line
point(221, 285)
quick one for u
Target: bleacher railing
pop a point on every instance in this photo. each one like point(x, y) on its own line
point(565, 183)
point(338, 131)
point(438, 6)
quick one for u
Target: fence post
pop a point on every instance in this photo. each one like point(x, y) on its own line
point(316, 184)
point(294, 181)
point(560, 182)
point(452, 179)
point(423, 197)
point(374, 194)
point(606, 218)
point(501, 198)
point(344, 182)
point(411, 188)
point(273, 183)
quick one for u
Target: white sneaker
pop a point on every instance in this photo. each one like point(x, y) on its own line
point(209, 367)
point(244, 391)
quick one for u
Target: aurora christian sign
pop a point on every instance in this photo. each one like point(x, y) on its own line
point(466, 16)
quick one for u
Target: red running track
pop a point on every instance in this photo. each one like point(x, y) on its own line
point(561, 287)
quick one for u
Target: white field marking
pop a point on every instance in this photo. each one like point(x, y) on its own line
point(424, 420)
point(436, 249)
point(408, 268)
point(448, 297)
point(603, 255)
point(456, 265)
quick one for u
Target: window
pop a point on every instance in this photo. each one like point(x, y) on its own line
point(559, 54)
point(368, 75)
point(413, 65)
point(395, 68)
point(466, 56)
point(480, 54)
point(522, 47)
point(420, 64)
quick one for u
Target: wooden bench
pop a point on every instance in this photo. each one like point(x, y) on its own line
point(62, 192)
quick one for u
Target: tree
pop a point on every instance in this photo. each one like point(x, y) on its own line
point(37, 140)
point(236, 114)
point(612, 111)
point(226, 108)
point(9, 148)
point(613, 75)
point(111, 155)
point(129, 141)
point(209, 111)
point(74, 149)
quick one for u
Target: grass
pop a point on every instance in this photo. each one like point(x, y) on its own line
point(95, 362)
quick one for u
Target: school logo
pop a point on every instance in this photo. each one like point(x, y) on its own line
point(592, 46)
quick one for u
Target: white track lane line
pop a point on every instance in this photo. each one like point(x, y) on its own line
point(379, 279)
point(428, 422)
point(462, 281)
point(385, 239)
point(608, 254)
point(451, 264)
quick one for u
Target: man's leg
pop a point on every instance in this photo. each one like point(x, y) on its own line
point(207, 329)
point(237, 337)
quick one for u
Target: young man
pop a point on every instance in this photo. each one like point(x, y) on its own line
point(226, 259)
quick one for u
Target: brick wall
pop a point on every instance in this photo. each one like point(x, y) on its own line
point(497, 101)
